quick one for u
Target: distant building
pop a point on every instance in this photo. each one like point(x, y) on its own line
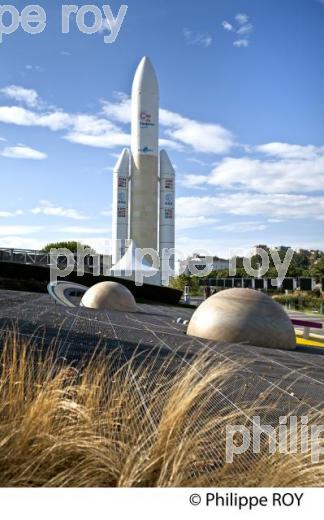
point(199, 263)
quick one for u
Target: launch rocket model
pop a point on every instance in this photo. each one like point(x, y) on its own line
point(144, 179)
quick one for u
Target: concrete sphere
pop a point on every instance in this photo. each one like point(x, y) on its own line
point(243, 316)
point(111, 296)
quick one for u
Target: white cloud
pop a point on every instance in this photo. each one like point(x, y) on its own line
point(81, 128)
point(241, 43)
point(100, 132)
point(278, 206)
point(290, 151)
point(286, 168)
point(97, 131)
point(241, 18)
point(270, 176)
point(172, 145)
point(80, 230)
point(196, 38)
point(242, 227)
point(227, 26)
point(48, 209)
point(15, 115)
point(19, 230)
point(57, 120)
point(7, 214)
point(92, 125)
point(202, 137)
point(245, 30)
point(99, 244)
point(119, 109)
point(106, 140)
point(106, 212)
point(184, 222)
point(197, 161)
point(36, 68)
point(23, 95)
point(22, 242)
point(194, 181)
point(187, 245)
point(22, 152)
point(242, 29)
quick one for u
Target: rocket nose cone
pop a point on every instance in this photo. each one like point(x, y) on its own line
point(145, 60)
point(145, 77)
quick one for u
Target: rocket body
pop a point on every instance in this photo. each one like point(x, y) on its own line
point(150, 181)
point(144, 150)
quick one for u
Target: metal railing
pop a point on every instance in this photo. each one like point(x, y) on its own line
point(42, 258)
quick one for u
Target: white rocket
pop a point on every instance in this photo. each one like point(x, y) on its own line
point(144, 179)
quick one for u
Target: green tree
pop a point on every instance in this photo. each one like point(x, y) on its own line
point(179, 282)
point(71, 245)
point(317, 270)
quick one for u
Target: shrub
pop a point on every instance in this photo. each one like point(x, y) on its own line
point(300, 301)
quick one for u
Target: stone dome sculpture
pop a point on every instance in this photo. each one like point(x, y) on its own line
point(111, 296)
point(243, 316)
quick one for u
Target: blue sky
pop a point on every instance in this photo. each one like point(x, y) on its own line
point(242, 117)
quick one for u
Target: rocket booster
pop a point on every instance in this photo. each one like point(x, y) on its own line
point(149, 189)
point(120, 205)
point(167, 205)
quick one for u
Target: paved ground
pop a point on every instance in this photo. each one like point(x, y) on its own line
point(293, 378)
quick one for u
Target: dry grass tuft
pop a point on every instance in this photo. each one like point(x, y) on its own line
point(142, 424)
